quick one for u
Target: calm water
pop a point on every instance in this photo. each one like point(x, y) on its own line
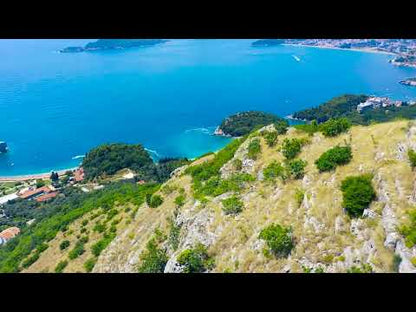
point(55, 107)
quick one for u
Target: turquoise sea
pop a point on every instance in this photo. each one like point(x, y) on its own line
point(55, 107)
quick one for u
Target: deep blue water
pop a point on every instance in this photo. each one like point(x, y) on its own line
point(54, 107)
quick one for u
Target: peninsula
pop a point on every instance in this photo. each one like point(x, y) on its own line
point(409, 82)
point(113, 44)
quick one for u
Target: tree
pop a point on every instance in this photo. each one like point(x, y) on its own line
point(334, 127)
point(291, 148)
point(281, 126)
point(358, 193)
point(334, 157)
point(195, 260)
point(278, 238)
point(54, 176)
point(297, 168)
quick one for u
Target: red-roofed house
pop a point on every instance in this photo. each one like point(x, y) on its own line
point(36, 192)
point(46, 197)
point(9, 233)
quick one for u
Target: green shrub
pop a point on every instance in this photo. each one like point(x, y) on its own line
point(99, 227)
point(232, 205)
point(412, 158)
point(291, 148)
point(334, 157)
point(296, 168)
point(196, 260)
point(270, 137)
point(180, 200)
point(64, 245)
point(84, 223)
point(281, 126)
point(334, 127)
point(154, 201)
point(237, 164)
point(365, 268)
point(61, 266)
point(77, 250)
point(99, 246)
point(89, 264)
point(299, 196)
point(254, 149)
point(396, 263)
point(409, 230)
point(358, 193)
point(273, 171)
point(153, 259)
point(278, 238)
point(175, 231)
point(32, 259)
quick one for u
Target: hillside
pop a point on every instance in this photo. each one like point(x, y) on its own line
point(324, 238)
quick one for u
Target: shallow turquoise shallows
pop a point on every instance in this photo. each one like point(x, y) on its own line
point(55, 107)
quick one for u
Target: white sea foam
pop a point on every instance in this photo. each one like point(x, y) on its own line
point(152, 151)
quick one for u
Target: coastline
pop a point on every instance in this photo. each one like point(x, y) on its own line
point(367, 50)
point(44, 175)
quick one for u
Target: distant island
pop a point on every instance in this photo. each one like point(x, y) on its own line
point(113, 44)
point(267, 42)
point(409, 82)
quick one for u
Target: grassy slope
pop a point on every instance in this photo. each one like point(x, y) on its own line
point(233, 240)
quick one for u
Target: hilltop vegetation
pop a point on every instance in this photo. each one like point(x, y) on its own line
point(112, 44)
point(243, 123)
point(107, 159)
point(346, 107)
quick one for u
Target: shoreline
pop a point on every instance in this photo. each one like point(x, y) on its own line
point(43, 175)
point(366, 50)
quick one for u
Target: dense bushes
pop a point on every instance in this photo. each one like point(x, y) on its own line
point(77, 250)
point(292, 147)
point(254, 149)
point(232, 205)
point(334, 127)
point(154, 201)
point(196, 260)
point(278, 238)
point(64, 245)
point(61, 266)
point(281, 126)
point(339, 155)
point(334, 108)
point(273, 171)
point(296, 168)
point(64, 211)
point(89, 264)
point(243, 123)
point(99, 246)
point(412, 158)
point(153, 259)
point(107, 159)
point(358, 193)
point(270, 137)
point(409, 230)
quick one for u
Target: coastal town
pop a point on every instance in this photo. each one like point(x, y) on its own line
point(378, 102)
point(404, 50)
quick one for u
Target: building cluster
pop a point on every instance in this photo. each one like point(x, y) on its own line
point(378, 102)
point(8, 234)
point(39, 194)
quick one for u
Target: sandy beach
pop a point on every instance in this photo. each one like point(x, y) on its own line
point(45, 175)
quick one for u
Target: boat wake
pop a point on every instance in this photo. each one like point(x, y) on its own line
point(296, 58)
point(78, 157)
point(202, 130)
